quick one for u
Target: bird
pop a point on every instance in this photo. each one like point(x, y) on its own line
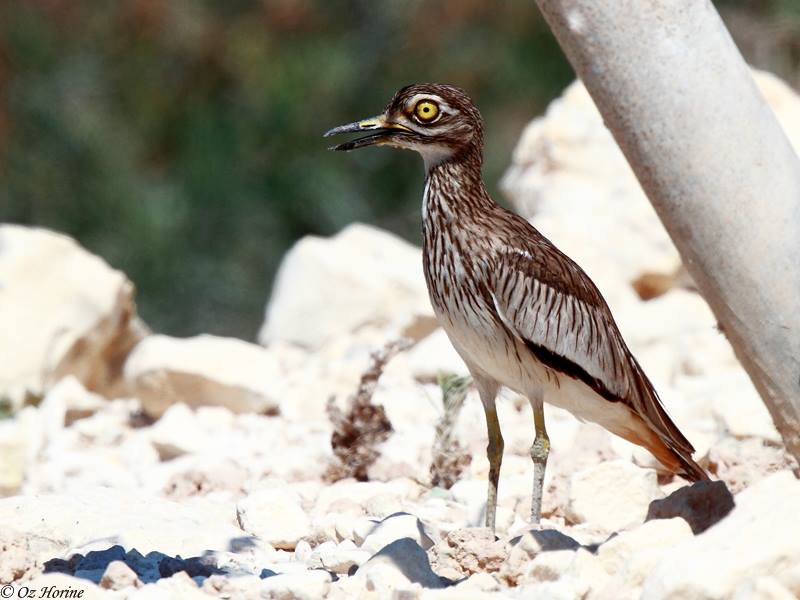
point(519, 312)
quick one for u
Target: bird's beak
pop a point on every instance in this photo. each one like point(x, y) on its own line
point(382, 129)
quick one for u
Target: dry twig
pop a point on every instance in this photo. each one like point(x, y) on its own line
point(357, 433)
point(449, 459)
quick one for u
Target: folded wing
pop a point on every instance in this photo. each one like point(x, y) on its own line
point(547, 301)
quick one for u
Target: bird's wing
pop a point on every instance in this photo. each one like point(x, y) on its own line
point(547, 301)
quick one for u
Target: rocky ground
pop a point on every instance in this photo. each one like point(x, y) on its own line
point(136, 465)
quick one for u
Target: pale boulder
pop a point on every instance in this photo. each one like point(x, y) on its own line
point(738, 407)
point(759, 538)
point(328, 287)
point(274, 515)
point(98, 517)
point(612, 495)
point(63, 311)
point(569, 177)
point(628, 558)
point(434, 356)
point(205, 370)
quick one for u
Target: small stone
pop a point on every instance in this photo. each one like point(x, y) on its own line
point(395, 527)
point(197, 566)
point(383, 505)
point(177, 432)
point(612, 495)
point(763, 588)
point(701, 505)
point(241, 586)
point(467, 551)
point(180, 585)
point(93, 575)
point(302, 551)
point(482, 582)
point(146, 567)
point(398, 566)
point(18, 560)
point(315, 558)
point(119, 576)
point(362, 527)
point(525, 548)
point(100, 559)
point(310, 585)
point(343, 560)
point(274, 515)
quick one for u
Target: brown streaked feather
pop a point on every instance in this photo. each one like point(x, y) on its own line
point(565, 322)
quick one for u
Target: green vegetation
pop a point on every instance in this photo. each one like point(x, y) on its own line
point(180, 139)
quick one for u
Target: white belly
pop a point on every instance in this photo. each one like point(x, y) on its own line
point(488, 350)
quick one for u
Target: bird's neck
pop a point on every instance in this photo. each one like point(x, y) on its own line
point(454, 190)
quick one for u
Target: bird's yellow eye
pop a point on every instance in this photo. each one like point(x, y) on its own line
point(426, 110)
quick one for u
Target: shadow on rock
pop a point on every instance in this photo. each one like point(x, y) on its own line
point(148, 568)
point(548, 540)
point(402, 561)
point(701, 505)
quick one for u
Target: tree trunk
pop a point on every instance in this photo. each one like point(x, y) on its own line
point(679, 99)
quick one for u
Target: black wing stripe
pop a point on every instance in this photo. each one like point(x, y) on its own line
point(564, 365)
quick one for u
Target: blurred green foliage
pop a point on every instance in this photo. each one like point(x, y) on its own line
point(180, 139)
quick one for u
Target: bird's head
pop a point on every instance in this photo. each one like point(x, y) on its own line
point(438, 121)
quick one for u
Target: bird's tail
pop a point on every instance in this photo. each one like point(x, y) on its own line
point(664, 440)
point(676, 460)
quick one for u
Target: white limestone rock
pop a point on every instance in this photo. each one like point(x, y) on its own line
point(274, 515)
point(399, 566)
point(630, 556)
point(570, 178)
point(759, 538)
point(64, 312)
point(118, 576)
point(361, 492)
point(612, 495)
point(96, 518)
point(342, 559)
point(395, 527)
point(310, 585)
point(205, 370)
point(334, 286)
point(434, 355)
point(738, 407)
point(21, 440)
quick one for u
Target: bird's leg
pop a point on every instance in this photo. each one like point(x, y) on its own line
point(494, 451)
point(539, 452)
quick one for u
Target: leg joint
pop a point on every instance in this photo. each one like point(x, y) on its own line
point(540, 449)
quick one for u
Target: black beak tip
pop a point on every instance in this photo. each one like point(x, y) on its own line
point(347, 146)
